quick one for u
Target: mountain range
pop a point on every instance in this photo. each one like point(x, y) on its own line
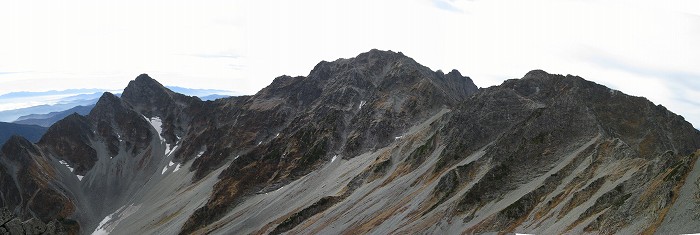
point(75, 101)
point(376, 144)
point(30, 132)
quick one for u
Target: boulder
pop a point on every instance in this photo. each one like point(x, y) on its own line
point(5, 215)
point(14, 227)
point(34, 226)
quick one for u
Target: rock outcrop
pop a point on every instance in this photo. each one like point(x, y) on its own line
point(12, 225)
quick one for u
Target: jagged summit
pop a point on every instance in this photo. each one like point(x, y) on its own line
point(145, 90)
point(108, 104)
point(536, 73)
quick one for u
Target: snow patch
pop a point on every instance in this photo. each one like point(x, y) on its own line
point(66, 164)
point(80, 177)
point(259, 143)
point(334, 157)
point(171, 163)
point(277, 135)
point(112, 220)
point(158, 125)
point(398, 137)
point(165, 168)
point(199, 154)
point(237, 156)
point(362, 103)
point(102, 228)
point(177, 167)
point(169, 150)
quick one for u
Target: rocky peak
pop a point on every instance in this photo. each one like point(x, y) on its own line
point(374, 66)
point(107, 105)
point(19, 149)
point(69, 139)
point(146, 90)
point(151, 98)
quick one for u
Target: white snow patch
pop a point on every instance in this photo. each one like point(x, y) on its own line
point(236, 157)
point(259, 143)
point(171, 163)
point(362, 103)
point(177, 167)
point(111, 221)
point(199, 154)
point(277, 135)
point(170, 150)
point(80, 177)
point(102, 228)
point(398, 137)
point(165, 168)
point(157, 124)
point(66, 164)
point(334, 157)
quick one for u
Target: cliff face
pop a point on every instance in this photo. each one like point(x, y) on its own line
point(376, 143)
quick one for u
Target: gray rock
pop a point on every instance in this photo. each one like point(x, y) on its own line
point(14, 227)
point(34, 226)
point(5, 215)
point(50, 228)
point(3, 231)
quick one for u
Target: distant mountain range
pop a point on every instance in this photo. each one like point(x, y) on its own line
point(56, 102)
point(34, 94)
point(31, 122)
point(31, 132)
point(46, 120)
point(53, 105)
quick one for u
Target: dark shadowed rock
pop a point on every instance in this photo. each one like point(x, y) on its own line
point(69, 139)
point(5, 215)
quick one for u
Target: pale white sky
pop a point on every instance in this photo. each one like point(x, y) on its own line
point(643, 48)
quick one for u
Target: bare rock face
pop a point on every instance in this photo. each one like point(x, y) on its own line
point(296, 124)
point(36, 189)
point(69, 139)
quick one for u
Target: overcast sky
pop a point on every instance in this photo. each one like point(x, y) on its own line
point(643, 48)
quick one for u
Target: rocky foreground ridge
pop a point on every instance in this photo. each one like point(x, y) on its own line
point(372, 144)
point(12, 225)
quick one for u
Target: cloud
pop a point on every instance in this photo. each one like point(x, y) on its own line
point(217, 56)
point(447, 5)
point(682, 78)
point(10, 72)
